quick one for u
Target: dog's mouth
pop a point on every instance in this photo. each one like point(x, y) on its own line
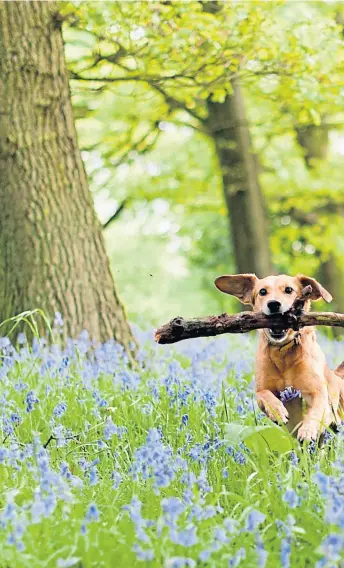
point(277, 335)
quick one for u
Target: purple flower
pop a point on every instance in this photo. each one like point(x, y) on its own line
point(92, 513)
point(289, 393)
point(143, 554)
point(116, 478)
point(93, 476)
point(185, 537)
point(291, 498)
point(31, 399)
point(235, 560)
point(180, 562)
point(58, 321)
point(60, 409)
point(254, 519)
point(185, 419)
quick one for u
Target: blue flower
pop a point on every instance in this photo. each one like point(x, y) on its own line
point(58, 321)
point(173, 508)
point(289, 393)
point(31, 399)
point(60, 409)
point(185, 419)
point(332, 547)
point(294, 460)
point(180, 562)
point(291, 498)
point(185, 537)
point(93, 476)
point(116, 478)
point(235, 560)
point(254, 519)
point(15, 418)
point(92, 513)
point(143, 554)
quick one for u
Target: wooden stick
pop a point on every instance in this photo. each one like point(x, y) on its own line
point(179, 328)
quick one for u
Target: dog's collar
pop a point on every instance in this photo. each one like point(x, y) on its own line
point(295, 341)
point(284, 348)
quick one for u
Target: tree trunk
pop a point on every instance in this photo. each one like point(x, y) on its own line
point(52, 252)
point(314, 140)
point(246, 211)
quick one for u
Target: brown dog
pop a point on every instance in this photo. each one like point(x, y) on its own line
point(289, 358)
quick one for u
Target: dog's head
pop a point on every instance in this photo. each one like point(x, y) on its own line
point(271, 295)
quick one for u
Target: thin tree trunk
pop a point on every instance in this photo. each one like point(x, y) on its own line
point(246, 211)
point(52, 252)
point(315, 140)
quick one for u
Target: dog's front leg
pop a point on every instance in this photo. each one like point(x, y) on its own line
point(273, 408)
point(318, 414)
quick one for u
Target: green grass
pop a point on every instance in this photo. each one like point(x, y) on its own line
point(198, 459)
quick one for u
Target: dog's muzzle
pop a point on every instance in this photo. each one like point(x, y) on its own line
point(276, 335)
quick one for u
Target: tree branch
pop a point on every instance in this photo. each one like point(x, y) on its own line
point(116, 214)
point(179, 329)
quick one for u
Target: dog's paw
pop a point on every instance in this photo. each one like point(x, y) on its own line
point(307, 432)
point(277, 413)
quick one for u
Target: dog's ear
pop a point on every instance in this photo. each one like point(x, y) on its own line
point(239, 285)
point(318, 291)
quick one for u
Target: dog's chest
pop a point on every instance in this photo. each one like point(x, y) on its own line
point(284, 368)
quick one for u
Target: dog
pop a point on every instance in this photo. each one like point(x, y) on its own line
point(288, 358)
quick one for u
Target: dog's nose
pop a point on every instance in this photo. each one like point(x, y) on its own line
point(274, 306)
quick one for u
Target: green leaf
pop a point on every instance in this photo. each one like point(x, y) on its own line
point(260, 439)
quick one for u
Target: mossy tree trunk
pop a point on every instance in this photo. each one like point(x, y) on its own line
point(52, 252)
point(244, 199)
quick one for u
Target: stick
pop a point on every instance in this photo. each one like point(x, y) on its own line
point(179, 328)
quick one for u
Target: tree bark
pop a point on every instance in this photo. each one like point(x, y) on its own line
point(52, 252)
point(179, 328)
point(315, 140)
point(244, 199)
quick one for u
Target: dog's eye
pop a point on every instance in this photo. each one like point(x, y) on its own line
point(263, 292)
point(288, 290)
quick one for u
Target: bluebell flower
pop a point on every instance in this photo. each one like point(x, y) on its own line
point(180, 562)
point(58, 321)
point(146, 555)
point(83, 529)
point(289, 393)
point(185, 537)
point(93, 476)
point(291, 498)
point(235, 560)
point(60, 409)
point(4, 342)
point(21, 339)
point(185, 419)
point(21, 386)
point(116, 478)
point(294, 460)
point(285, 553)
point(15, 418)
point(254, 519)
point(31, 399)
point(262, 554)
point(332, 547)
point(92, 513)
point(173, 508)
point(239, 458)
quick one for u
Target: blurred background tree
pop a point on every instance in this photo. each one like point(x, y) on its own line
point(212, 132)
point(52, 253)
